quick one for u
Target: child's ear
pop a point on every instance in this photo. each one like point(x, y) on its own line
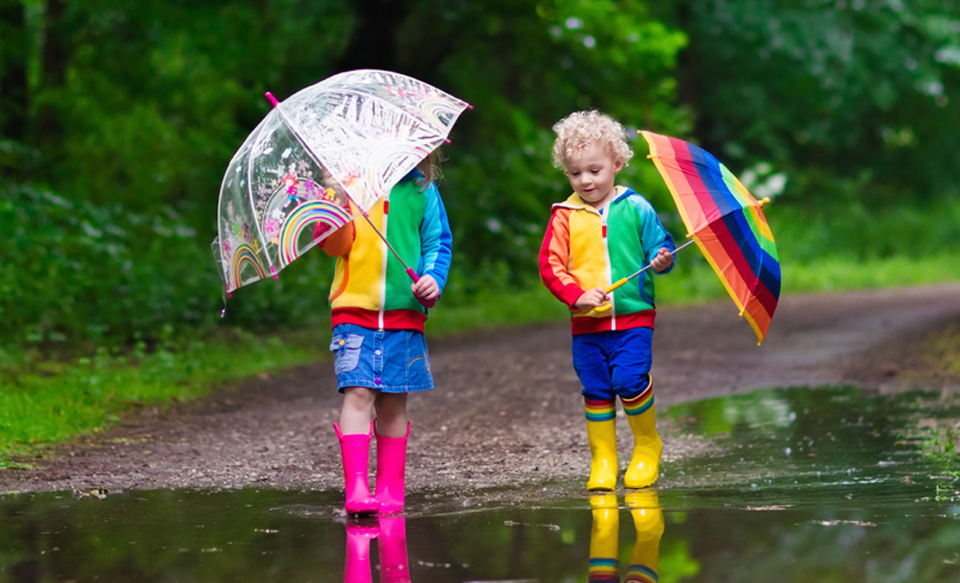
point(618, 165)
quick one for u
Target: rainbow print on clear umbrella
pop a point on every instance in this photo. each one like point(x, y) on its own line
point(319, 159)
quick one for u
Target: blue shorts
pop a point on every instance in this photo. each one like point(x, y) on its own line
point(613, 363)
point(392, 361)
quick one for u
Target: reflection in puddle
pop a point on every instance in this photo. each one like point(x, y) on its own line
point(800, 485)
point(390, 533)
point(644, 509)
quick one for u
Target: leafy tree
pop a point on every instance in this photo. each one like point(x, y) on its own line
point(861, 92)
point(137, 107)
point(524, 65)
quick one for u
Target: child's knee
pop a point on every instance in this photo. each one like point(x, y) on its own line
point(359, 397)
point(635, 386)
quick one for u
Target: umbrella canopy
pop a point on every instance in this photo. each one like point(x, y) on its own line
point(727, 224)
point(349, 138)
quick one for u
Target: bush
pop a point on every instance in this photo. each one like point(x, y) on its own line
point(77, 272)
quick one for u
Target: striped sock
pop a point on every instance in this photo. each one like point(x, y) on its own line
point(641, 574)
point(641, 403)
point(600, 410)
point(603, 570)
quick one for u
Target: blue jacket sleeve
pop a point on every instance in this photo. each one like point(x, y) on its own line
point(653, 236)
point(436, 240)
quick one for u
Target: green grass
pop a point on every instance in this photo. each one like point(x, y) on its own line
point(943, 351)
point(496, 310)
point(840, 273)
point(44, 402)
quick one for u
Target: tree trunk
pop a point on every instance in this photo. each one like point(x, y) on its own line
point(374, 43)
point(54, 66)
point(14, 55)
point(688, 90)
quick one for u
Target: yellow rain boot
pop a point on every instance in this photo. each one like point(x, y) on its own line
point(602, 434)
point(604, 539)
point(648, 520)
point(644, 468)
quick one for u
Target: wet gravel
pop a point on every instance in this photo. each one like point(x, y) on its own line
point(507, 408)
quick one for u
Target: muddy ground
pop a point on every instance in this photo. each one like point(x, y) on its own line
point(507, 407)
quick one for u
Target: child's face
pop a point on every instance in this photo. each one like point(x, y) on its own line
point(591, 173)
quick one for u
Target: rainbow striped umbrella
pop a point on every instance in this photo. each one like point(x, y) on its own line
point(347, 139)
point(726, 222)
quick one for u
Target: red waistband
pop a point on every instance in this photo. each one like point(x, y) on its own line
point(585, 325)
point(392, 319)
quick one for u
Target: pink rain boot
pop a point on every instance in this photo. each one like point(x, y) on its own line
point(392, 544)
point(355, 449)
point(356, 568)
point(391, 467)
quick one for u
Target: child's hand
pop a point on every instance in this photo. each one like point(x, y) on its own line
point(592, 298)
point(426, 289)
point(662, 261)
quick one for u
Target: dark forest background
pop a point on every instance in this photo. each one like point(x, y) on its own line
point(118, 118)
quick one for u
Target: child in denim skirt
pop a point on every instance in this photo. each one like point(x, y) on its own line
point(378, 343)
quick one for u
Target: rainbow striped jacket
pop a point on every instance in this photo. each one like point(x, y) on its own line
point(370, 287)
point(584, 248)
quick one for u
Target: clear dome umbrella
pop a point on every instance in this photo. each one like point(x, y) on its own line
point(319, 159)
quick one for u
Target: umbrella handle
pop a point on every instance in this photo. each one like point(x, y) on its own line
point(425, 303)
point(606, 307)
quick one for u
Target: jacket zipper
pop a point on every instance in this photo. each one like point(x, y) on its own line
point(606, 261)
point(386, 257)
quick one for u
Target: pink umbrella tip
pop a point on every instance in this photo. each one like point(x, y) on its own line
point(273, 100)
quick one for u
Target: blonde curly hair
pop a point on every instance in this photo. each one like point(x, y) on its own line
point(582, 129)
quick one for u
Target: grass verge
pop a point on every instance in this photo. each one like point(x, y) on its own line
point(943, 352)
point(43, 403)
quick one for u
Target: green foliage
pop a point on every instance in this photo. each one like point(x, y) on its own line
point(862, 91)
point(132, 151)
point(839, 273)
point(494, 309)
point(108, 178)
point(848, 245)
point(157, 130)
point(76, 271)
point(524, 65)
point(944, 349)
point(949, 347)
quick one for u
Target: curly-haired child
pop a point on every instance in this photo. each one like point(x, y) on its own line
point(601, 233)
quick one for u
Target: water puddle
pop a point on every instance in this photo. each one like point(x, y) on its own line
point(800, 485)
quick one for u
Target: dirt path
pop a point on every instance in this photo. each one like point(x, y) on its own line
point(507, 408)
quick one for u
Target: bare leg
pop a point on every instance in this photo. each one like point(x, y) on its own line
point(391, 414)
point(357, 411)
